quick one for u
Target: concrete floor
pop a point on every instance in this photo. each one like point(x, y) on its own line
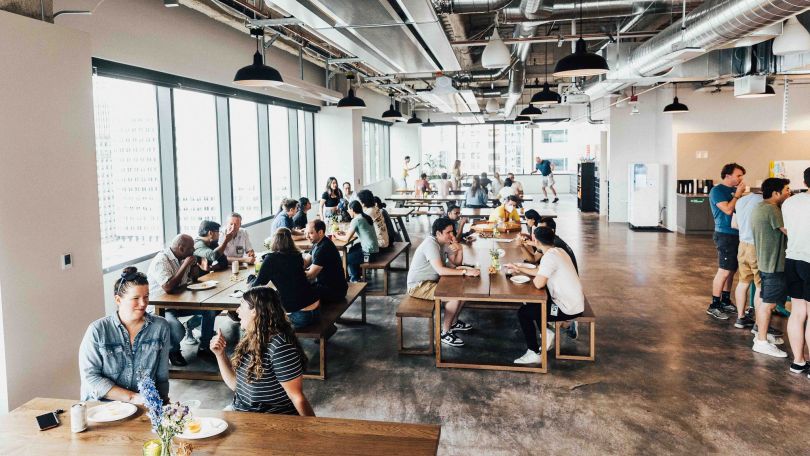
point(667, 379)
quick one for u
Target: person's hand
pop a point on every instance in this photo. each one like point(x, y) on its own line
point(230, 233)
point(136, 399)
point(188, 262)
point(740, 189)
point(462, 221)
point(454, 247)
point(473, 272)
point(218, 343)
point(203, 263)
point(250, 259)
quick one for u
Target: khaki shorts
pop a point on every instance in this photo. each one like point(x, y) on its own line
point(747, 264)
point(425, 290)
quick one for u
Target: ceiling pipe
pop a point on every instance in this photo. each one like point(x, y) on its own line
point(711, 25)
point(469, 6)
point(549, 11)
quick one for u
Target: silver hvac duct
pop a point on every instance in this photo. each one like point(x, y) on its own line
point(709, 26)
point(549, 11)
point(468, 6)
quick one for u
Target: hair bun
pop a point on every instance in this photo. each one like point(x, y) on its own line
point(129, 270)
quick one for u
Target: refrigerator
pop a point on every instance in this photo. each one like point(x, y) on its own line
point(643, 197)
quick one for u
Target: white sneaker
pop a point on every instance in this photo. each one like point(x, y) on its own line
point(529, 357)
point(190, 340)
point(773, 340)
point(769, 349)
point(549, 339)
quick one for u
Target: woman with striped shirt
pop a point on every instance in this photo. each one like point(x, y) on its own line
point(267, 366)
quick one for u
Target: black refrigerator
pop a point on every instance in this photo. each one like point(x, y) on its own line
point(588, 187)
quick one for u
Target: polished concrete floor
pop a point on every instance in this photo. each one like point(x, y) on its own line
point(667, 379)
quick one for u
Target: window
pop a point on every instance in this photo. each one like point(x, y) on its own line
point(555, 136)
point(195, 125)
point(279, 155)
point(245, 179)
point(513, 148)
point(376, 151)
point(302, 154)
point(128, 164)
point(475, 143)
point(438, 149)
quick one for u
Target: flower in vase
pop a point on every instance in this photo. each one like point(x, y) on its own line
point(152, 400)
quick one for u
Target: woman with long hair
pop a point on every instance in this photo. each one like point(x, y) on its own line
point(456, 174)
point(267, 367)
point(331, 197)
point(476, 195)
point(284, 266)
point(367, 249)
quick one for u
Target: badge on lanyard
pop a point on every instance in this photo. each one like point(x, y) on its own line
point(554, 310)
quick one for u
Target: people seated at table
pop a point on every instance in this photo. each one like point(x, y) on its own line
point(325, 270)
point(444, 186)
point(507, 211)
point(496, 184)
point(566, 301)
point(119, 349)
point(284, 219)
point(208, 247)
point(370, 208)
point(476, 195)
point(531, 251)
point(266, 370)
point(459, 222)
point(348, 197)
point(507, 190)
point(169, 272)
point(300, 217)
point(422, 186)
point(284, 266)
point(393, 234)
point(366, 250)
point(485, 181)
point(330, 199)
point(239, 248)
point(429, 264)
point(516, 185)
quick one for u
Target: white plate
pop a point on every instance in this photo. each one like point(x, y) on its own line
point(520, 279)
point(203, 285)
point(503, 240)
point(501, 253)
point(525, 265)
point(112, 411)
point(209, 428)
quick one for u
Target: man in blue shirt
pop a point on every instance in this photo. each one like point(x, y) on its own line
point(284, 219)
point(723, 199)
point(545, 168)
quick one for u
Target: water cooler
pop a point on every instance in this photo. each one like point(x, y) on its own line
point(643, 197)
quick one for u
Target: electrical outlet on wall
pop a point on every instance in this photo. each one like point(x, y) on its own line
point(66, 261)
point(702, 154)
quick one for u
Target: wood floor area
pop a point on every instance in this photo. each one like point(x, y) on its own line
point(667, 379)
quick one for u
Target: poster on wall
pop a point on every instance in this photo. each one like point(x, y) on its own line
point(790, 169)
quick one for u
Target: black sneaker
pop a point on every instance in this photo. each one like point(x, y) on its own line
point(717, 313)
point(744, 322)
point(449, 338)
point(207, 354)
point(555, 200)
point(797, 369)
point(460, 326)
point(771, 330)
point(544, 200)
point(728, 307)
point(176, 359)
point(572, 331)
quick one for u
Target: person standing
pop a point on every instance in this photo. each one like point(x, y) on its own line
point(546, 170)
point(330, 199)
point(406, 170)
point(723, 198)
point(456, 175)
point(746, 259)
point(796, 215)
point(770, 242)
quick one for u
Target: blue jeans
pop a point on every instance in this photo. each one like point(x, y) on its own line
point(354, 258)
point(178, 331)
point(302, 318)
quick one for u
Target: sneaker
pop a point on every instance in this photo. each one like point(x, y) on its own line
point(529, 357)
point(773, 340)
point(176, 359)
point(749, 312)
point(768, 349)
point(744, 322)
point(728, 307)
point(555, 200)
point(460, 326)
point(716, 313)
point(544, 200)
point(771, 331)
point(190, 339)
point(796, 368)
point(206, 353)
point(572, 331)
point(549, 339)
point(449, 338)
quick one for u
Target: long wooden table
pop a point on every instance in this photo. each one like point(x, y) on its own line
point(247, 434)
point(497, 291)
point(400, 214)
point(484, 213)
point(435, 201)
point(342, 246)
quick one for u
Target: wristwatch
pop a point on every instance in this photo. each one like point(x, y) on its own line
point(464, 272)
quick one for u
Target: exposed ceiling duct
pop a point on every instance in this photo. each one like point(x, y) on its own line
point(550, 11)
point(469, 6)
point(709, 26)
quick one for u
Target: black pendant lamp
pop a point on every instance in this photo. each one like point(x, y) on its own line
point(546, 97)
point(414, 120)
point(581, 62)
point(522, 120)
point(258, 74)
point(392, 112)
point(676, 107)
point(531, 112)
point(428, 123)
point(350, 101)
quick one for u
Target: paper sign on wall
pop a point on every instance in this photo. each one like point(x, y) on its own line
point(702, 154)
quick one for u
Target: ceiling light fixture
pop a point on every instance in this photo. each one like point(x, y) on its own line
point(414, 120)
point(350, 101)
point(428, 123)
point(522, 120)
point(546, 97)
point(492, 106)
point(634, 111)
point(496, 54)
point(171, 3)
point(392, 113)
point(676, 107)
point(531, 112)
point(794, 39)
point(581, 62)
point(258, 74)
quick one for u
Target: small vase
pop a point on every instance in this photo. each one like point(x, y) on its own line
point(166, 446)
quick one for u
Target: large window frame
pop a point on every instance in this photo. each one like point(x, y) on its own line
point(300, 132)
point(376, 137)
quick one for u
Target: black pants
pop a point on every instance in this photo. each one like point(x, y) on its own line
point(329, 294)
point(528, 314)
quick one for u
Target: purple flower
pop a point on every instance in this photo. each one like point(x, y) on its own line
point(152, 400)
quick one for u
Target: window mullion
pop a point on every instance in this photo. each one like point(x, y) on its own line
point(266, 197)
point(168, 168)
point(295, 168)
point(224, 153)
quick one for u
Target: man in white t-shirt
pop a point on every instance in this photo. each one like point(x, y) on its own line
point(516, 185)
point(796, 217)
point(444, 186)
point(565, 297)
point(239, 248)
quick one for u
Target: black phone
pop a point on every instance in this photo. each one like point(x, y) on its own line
point(47, 421)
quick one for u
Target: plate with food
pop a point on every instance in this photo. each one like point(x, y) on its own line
point(525, 265)
point(111, 411)
point(520, 279)
point(207, 285)
point(203, 427)
point(490, 227)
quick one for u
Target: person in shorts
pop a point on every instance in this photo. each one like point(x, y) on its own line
point(746, 260)
point(796, 215)
point(723, 198)
point(546, 170)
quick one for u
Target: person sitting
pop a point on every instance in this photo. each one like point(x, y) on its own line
point(532, 252)
point(239, 248)
point(507, 211)
point(300, 217)
point(393, 234)
point(566, 300)
point(444, 186)
point(364, 251)
point(348, 197)
point(370, 208)
point(496, 184)
point(284, 266)
point(459, 222)
point(517, 186)
point(169, 272)
point(330, 199)
point(422, 186)
point(476, 195)
point(507, 190)
point(117, 350)
point(284, 219)
point(325, 270)
point(485, 182)
point(428, 265)
point(266, 370)
point(208, 248)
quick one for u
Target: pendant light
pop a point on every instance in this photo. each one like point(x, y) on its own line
point(546, 97)
point(350, 101)
point(531, 112)
point(794, 39)
point(581, 62)
point(428, 123)
point(676, 107)
point(392, 112)
point(522, 120)
point(258, 74)
point(414, 120)
point(496, 54)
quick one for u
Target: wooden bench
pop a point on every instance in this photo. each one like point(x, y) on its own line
point(325, 328)
point(587, 317)
point(383, 261)
point(415, 308)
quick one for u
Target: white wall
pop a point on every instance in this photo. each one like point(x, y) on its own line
point(405, 141)
point(48, 206)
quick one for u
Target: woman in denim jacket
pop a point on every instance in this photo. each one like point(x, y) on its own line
point(120, 349)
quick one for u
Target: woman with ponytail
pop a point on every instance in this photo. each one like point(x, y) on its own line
point(367, 249)
point(267, 367)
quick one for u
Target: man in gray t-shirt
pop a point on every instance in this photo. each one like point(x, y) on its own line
point(746, 258)
point(427, 266)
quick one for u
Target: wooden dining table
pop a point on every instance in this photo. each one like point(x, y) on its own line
point(497, 292)
point(399, 214)
point(247, 434)
point(436, 201)
point(474, 213)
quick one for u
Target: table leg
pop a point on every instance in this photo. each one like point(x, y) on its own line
point(543, 350)
point(437, 330)
point(345, 264)
point(402, 230)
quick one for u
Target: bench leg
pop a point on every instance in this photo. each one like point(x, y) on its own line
point(386, 274)
point(321, 375)
point(414, 351)
point(591, 356)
